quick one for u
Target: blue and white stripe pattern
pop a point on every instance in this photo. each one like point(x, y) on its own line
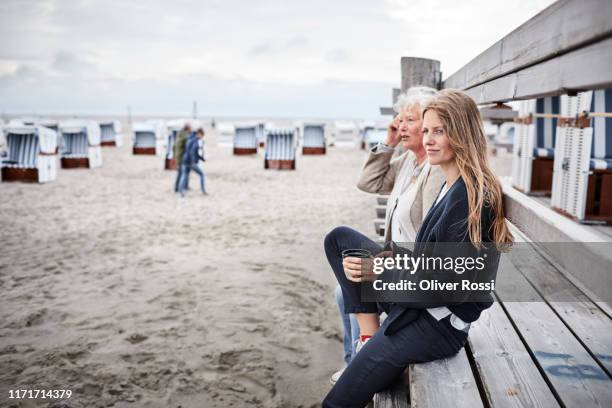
point(280, 144)
point(546, 127)
point(22, 150)
point(602, 127)
point(75, 145)
point(108, 132)
point(245, 137)
point(314, 136)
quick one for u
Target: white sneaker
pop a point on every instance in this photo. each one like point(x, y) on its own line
point(335, 376)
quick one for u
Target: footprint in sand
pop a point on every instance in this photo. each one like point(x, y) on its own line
point(137, 338)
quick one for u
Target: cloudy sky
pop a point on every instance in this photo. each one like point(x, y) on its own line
point(309, 58)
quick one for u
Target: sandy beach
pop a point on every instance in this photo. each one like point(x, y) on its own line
point(127, 295)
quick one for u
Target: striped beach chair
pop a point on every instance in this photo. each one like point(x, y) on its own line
point(110, 133)
point(148, 137)
point(533, 150)
point(245, 139)
point(174, 127)
point(313, 138)
point(582, 185)
point(80, 144)
point(280, 149)
point(31, 154)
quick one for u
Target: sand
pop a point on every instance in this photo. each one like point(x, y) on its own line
point(127, 295)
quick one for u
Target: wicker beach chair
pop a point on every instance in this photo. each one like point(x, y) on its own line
point(110, 133)
point(582, 184)
point(280, 149)
point(31, 154)
point(80, 144)
point(533, 152)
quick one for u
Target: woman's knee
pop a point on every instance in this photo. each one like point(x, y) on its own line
point(335, 235)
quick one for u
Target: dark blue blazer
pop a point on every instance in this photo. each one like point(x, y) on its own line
point(446, 222)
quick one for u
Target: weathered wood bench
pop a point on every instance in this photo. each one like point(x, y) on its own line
point(540, 352)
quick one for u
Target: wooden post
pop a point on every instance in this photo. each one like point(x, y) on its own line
point(420, 71)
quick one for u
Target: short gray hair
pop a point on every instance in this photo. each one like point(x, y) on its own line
point(415, 95)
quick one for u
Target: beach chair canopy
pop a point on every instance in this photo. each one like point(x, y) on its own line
point(50, 123)
point(313, 134)
point(109, 130)
point(28, 120)
point(245, 135)
point(76, 136)
point(280, 144)
point(25, 143)
point(146, 134)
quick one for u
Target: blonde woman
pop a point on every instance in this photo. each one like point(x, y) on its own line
point(411, 182)
point(468, 209)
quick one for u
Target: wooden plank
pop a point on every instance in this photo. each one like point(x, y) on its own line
point(576, 377)
point(592, 326)
point(582, 69)
point(491, 113)
point(563, 26)
point(510, 377)
point(444, 383)
point(394, 397)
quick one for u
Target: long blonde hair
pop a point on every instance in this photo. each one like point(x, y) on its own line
point(463, 125)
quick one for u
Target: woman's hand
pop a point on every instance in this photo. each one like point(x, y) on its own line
point(393, 136)
point(361, 269)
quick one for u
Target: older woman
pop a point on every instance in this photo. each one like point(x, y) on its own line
point(412, 182)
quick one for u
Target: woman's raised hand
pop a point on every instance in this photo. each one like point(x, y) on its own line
point(393, 136)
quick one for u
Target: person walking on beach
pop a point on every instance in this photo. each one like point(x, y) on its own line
point(191, 157)
point(179, 149)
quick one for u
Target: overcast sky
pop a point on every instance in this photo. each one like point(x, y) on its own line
point(310, 58)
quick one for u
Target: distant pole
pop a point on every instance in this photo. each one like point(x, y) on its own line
point(195, 109)
point(129, 118)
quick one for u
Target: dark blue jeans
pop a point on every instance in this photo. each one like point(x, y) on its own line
point(383, 359)
point(184, 176)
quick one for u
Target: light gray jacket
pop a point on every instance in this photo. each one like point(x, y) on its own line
point(382, 174)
